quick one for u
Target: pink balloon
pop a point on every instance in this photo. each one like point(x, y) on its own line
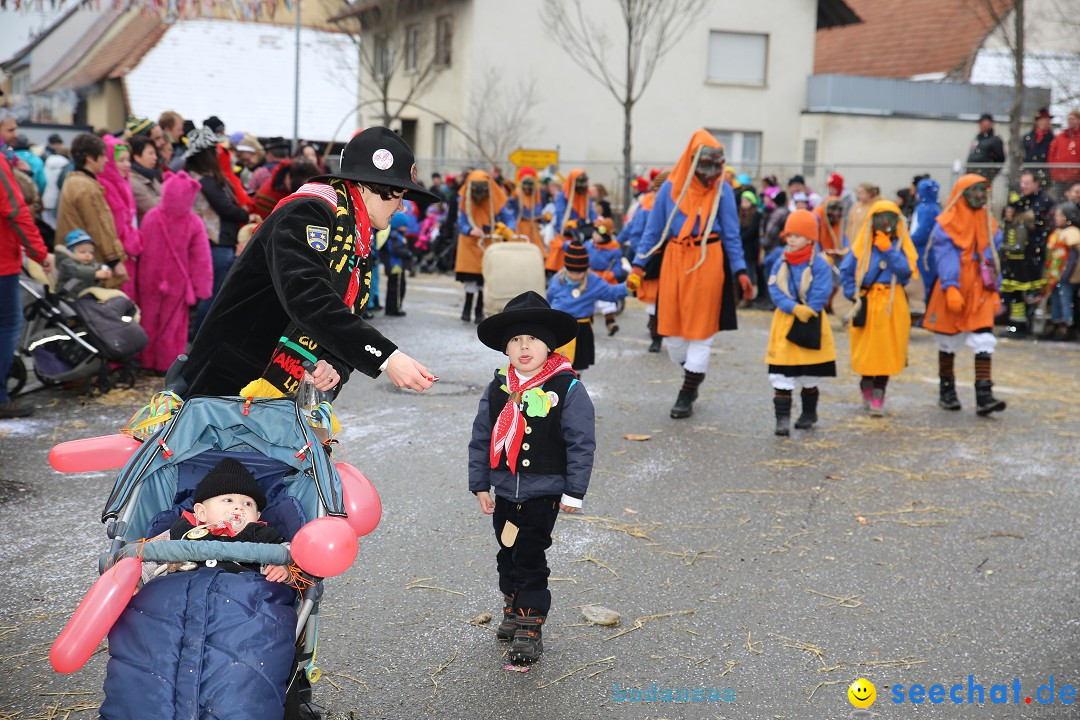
point(109, 452)
point(95, 616)
point(361, 499)
point(325, 547)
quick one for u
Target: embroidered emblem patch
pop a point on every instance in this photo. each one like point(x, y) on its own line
point(382, 159)
point(318, 237)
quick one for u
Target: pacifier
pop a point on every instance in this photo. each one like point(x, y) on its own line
point(237, 519)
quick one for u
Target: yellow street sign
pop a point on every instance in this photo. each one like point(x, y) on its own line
point(534, 158)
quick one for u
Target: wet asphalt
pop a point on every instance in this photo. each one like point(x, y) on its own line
point(921, 548)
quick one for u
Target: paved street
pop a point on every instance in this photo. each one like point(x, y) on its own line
point(916, 549)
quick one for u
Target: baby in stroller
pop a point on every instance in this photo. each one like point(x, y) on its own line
point(235, 635)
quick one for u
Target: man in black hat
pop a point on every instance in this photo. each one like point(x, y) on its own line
point(986, 148)
point(295, 294)
point(1037, 144)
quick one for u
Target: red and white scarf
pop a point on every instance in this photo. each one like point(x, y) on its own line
point(510, 427)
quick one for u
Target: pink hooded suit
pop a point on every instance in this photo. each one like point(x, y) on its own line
point(121, 200)
point(175, 270)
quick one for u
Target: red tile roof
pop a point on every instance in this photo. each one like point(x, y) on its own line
point(910, 38)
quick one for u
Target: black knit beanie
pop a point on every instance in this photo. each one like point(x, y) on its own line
point(577, 257)
point(227, 477)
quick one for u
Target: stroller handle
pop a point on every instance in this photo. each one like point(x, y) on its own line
point(163, 551)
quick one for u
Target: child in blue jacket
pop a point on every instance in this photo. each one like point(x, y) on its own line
point(606, 259)
point(575, 290)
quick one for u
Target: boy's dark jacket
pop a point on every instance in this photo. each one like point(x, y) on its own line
point(280, 279)
point(571, 429)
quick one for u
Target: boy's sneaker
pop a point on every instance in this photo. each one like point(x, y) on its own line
point(14, 409)
point(528, 644)
point(506, 629)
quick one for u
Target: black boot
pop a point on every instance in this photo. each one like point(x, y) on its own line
point(985, 401)
point(505, 630)
point(612, 326)
point(808, 416)
point(479, 307)
point(684, 404)
point(467, 312)
point(782, 404)
point(657, 339)
point(528, 643)
point(947, 397)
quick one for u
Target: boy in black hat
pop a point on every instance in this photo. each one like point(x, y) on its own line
point(575, 290)
point(228, 503)
point(297, 292)
point(533, 442)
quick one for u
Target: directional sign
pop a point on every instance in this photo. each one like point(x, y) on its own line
point(534, 158)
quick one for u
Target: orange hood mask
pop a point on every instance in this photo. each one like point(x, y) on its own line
point(695, 200)
point(965, 226)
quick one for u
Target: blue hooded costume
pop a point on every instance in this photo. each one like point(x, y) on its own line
point(922, 223)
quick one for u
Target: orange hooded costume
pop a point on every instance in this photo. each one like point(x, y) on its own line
point(528, 206)
point(479, 215)
point(972, 233)
point(879, 346)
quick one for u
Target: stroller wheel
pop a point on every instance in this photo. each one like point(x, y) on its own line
point(16, 377)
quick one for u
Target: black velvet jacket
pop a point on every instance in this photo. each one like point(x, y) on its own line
point(279, 279)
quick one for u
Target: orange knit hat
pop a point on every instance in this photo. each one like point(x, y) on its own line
point(801, 222)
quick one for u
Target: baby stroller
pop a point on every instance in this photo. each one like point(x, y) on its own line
point(234, 641)
point(95, 334)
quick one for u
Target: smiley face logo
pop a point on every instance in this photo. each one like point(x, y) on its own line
point(862, 693)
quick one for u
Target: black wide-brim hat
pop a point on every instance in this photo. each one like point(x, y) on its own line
point(529, 313)
point(379, 156)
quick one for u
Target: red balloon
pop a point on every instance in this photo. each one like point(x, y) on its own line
point(361, 500)
point(325, 547)
point(95, 616)
point(109, 452)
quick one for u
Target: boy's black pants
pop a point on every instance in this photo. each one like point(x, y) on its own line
point(523, 570)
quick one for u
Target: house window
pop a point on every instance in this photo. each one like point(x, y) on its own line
point(743, 149)
point(412, 47)
point(444, 37)
point(809, 156)
point(441, 144)
point(737, 58)
point(383, 55)
point(20, 83)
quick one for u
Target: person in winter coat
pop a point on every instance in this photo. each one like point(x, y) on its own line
point(1065, 150)
point(18, 236)
point(145, 178)
point(986, 148)
point(121, 201)
point(481, 210)
point(175, 271)
point(83, 206)
point(217, 205)
point(922, 222)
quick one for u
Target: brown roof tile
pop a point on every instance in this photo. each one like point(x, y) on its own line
point(119, 50)
point(905, 39)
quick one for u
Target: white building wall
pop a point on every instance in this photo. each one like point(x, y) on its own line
point(57, 45)
point(887, 151)
point(580, 117)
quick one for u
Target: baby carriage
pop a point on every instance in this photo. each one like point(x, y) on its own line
point(95, 334)
point(208, 638)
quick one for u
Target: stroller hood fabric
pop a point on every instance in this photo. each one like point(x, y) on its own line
point(202, 644)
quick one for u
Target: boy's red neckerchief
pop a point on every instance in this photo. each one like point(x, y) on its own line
point(510, 427)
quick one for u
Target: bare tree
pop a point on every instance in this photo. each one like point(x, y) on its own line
point(500, 115)
point(399, 56)
point(1013, 36)
point(652, 27)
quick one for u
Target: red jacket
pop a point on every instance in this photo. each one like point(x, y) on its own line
point(18, 234)
point(1065, 149)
